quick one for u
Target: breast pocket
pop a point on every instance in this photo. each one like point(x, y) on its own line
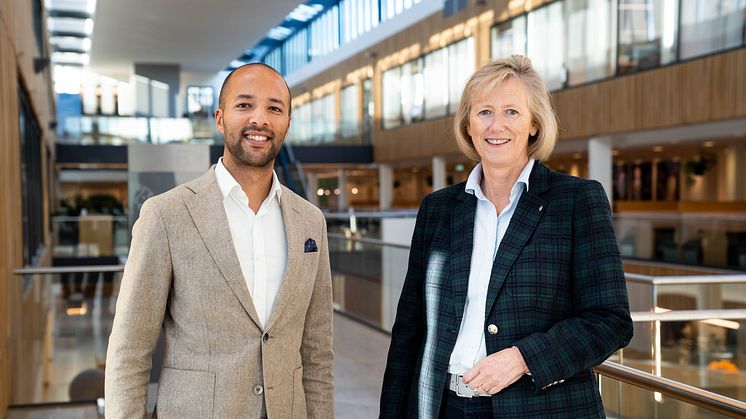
point(185, 394)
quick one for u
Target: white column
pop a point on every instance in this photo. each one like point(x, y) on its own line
point(439, 173)
point(385, 186)
point(312, 180)
point(599, 163)
point(342, 186)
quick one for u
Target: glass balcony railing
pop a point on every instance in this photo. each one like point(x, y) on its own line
point(691, 239)
point(90, 235)
point(121, 130)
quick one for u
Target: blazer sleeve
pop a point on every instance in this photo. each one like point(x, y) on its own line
point(600, 323)
point(316, 348)
point(408, 331)
point(140, 309)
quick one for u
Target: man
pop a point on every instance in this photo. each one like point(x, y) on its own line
point(235, 268)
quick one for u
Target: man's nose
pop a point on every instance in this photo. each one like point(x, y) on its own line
point(258, 117)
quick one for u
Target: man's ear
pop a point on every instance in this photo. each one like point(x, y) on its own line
point(219, 120)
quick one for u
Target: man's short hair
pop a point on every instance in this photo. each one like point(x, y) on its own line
point(221, 96)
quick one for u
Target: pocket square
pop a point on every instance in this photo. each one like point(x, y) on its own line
point(310, 246)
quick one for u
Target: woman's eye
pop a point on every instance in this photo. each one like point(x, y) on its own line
point(511, 112)
point(484, 112)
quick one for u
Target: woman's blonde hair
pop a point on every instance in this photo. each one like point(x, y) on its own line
point(486, 80)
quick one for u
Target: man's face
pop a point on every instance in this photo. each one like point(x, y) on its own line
point(254, 118)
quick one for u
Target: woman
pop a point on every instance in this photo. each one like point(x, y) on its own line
point(515, 288)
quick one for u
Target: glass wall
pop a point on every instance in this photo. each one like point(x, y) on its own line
point(392, 98)
point(546, 44)
point(711, 25)
point(591, 40)
point(323, 115)
point(350, 126)
point(301, 130)
point(647, 34)
point(335, 27)
point(436, 70)
point(509, 38)
point(412, 91)
point(461, 65)
point(295, 51)
point(416, 90)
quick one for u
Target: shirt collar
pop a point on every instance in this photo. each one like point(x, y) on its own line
point(473, 183)
point(228, 183)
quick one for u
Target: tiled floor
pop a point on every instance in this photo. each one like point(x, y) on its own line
point(360, 358)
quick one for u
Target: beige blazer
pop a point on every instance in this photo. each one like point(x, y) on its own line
point(183, 275)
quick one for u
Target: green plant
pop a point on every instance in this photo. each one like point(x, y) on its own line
point(704, 162)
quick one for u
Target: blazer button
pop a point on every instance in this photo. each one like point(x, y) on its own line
point(265, 337)
point(258, 390)
point(492, 329)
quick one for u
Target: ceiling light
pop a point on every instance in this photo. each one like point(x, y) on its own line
point(237, 63)
point(87, 44)
point(657, 149)
point(89, 26)
point(708, 144)
point(279, 33)
point(305, 12)
point(91, 7)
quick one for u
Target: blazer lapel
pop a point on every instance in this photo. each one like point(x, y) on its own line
point(462, 233)
point(528, 213)
point(296, 231)
point(208, 213)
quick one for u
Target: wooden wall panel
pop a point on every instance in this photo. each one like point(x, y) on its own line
point(10, 208)
point(22, 314)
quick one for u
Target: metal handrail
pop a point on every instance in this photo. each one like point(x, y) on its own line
point(689, 315)
point(686, 280)
point(686, 393)
point(50, 270)
point(364, 240)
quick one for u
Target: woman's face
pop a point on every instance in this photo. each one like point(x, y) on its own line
point(499, 126)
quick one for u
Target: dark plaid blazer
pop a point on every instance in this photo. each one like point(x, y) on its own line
point(557, 293)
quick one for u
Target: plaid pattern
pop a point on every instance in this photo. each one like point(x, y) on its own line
point(557, 292)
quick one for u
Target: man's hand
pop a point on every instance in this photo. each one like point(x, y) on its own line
point(497, 371)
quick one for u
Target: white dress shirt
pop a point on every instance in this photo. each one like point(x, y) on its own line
point(259, 239)
point(489, 230)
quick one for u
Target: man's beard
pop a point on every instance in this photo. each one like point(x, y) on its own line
point(259, 158)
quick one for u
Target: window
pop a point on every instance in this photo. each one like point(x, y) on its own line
point(199, 101)
point(546, 44)
point(436, 94)
point(274, 59)
point(429, 87)
point(324, 120)
point(392, 98)
point(301, 130)
point(591, 40)
point(509, 38)
point(31, 181)
point(295, 51)
point(710, 25)
point(461, 63)
point(647, 34)
point(350, 112)
point(412, 91)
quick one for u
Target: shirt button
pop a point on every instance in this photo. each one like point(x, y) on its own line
point(258, 390)
point(492, 329)
point(265, 337)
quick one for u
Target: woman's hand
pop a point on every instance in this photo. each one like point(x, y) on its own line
point(497, 371)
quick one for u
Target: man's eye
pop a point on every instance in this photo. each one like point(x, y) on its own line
point(243, 105)
point(275, 109)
